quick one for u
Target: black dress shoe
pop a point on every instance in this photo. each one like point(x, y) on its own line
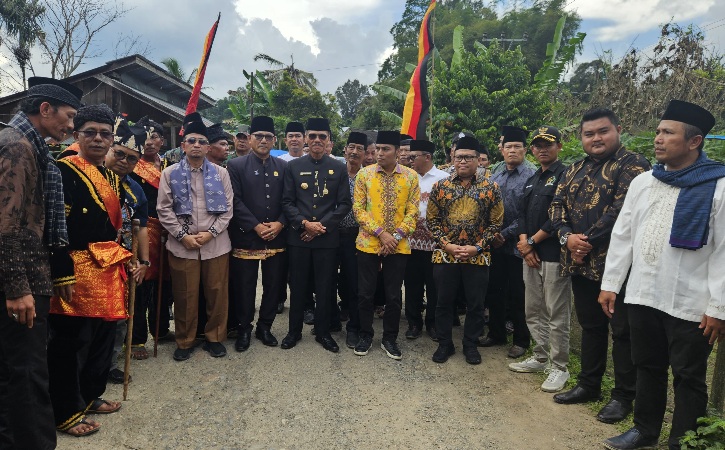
point(442, 354)
point(489, 342)
point(472, 355)
point(432, 333)
point(266, 337)
point(182, 354)
point(243, 340)
point(280, 307)
point(115, 376)
point(614, 411)
point(630, 440)
point(328, 343)
point(577, 394)
point(336, 328)
point(290, 341)
point(352, 338)
point(309, 317)
point(413, 332)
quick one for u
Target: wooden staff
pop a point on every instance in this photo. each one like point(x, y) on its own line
point(159, 287)
point(136, 224)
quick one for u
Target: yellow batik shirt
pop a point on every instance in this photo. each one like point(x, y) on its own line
point(383, 202)
point(464, 216)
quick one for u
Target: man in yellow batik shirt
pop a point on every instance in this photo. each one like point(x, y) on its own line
point(385, 204)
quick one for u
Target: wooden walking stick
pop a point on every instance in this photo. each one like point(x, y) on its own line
point(136, 224)
point(159, 287)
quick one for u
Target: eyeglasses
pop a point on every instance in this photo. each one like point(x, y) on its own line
point(413, 157)
point(121, 155)
point(91, 134)
point(262, 137)
point(321, 136)
point(193, 141)
point(466, 158)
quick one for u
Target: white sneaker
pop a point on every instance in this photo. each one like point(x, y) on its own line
point(530, 365)
point(556, 380)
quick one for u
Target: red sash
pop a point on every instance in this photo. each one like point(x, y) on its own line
point(103, 187)
point(148, 172)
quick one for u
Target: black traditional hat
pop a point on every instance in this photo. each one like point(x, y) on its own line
point(294, 127)
point(100, 113)
point(215, 133)
point(514, 134)
point(130, 136)
point(459, 135)
point(55, 89)
point(150, 125)
point(468, 143)
point(318, 124)
point(547, 133)
point(356, 137)
point(691, 114)
point(262, 123)
point(419, 145)
point(195, 128)
point(388, 138)
point(405, 137)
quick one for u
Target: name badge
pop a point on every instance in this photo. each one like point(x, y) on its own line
point(305, 173)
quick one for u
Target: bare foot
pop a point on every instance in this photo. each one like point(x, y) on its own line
point(101, 406)
point(83, 428)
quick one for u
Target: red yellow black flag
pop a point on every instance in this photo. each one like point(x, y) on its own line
point(199, 81)
point(417, 103)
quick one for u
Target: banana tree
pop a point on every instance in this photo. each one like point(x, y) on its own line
point(259, 97)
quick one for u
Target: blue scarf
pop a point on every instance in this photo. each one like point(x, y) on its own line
point(180, 183)
point(690, 225)
point(55, 233)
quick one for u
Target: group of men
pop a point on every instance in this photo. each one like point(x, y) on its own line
point(511, 245)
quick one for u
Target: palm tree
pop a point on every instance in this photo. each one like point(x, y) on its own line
point(303, 79)
point(174, 68)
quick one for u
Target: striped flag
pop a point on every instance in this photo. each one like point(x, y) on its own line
point(199, 81)
point(417, 102)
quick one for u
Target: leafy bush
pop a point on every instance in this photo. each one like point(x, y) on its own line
point(710, 435)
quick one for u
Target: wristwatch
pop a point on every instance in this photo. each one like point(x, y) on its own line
point(530, 241)
point(397, 236)
point(564, 238)
point(145, 263)
point(479, 249)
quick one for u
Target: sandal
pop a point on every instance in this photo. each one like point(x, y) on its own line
point(84, 421)
point(139, 352)
point(95, 407)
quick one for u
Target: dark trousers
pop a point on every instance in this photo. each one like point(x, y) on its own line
point(595, 339)
point(450, 280)
point(79, 359)
point(505, 297)
point(419, 282)
point(393, 271)
point(243, 273)
point(26, 414)
point(146, 299)
point(302, 259)
point(347, 278)
point(660, 341)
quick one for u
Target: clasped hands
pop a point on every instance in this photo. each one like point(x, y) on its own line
point(196, 241)
point(461, 252)
point(312, 230)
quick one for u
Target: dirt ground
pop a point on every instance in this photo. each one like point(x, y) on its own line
point(306, 397)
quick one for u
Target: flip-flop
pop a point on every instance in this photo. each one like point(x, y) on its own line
point(139, 352)
point(83, 421)
point(97, 403)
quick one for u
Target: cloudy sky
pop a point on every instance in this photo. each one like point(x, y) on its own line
point(339, 40)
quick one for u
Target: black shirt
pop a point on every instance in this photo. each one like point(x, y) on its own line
point(539, 191)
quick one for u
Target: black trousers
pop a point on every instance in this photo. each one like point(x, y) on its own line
point(505, 297)
point(243, 273)
point(146, 299)
point(660, 341)
point(595, 340)
point(79, 359)
point(347, 278)
point(302, 260)
point(451, 279)
point(419, 283)
point(26, 414)
point(393, 271)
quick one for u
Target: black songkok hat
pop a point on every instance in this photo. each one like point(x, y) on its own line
point(514, 134)
point(195, 128)
point(215, 133)
point(547, 133)
point(55, 89)
point(691, 114)
point(356, 137)
point(388, 138)
point(262, 123)
point(318, 124)
point(131, 136)
point(294, 127)
point(468, 143)
point(94, 113)
point(419, 145)
point(459, 135)
point(405, 139)
point(150, 125)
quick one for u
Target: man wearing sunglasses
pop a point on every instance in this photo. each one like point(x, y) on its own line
point(195, 207)
point(316, 198)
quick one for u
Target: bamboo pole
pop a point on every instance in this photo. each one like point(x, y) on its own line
point(131, 304)
point(159, 287)
point(717, 399)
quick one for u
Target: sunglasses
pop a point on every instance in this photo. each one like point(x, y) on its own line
point(192, 141)
point(120, 155)
point(261, 137)
point(91, 134)
point(321, 136)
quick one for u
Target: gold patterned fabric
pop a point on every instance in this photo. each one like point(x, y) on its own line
point(100, 289)
point(256, 254)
